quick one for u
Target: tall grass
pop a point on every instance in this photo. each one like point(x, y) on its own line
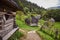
point(44, 36)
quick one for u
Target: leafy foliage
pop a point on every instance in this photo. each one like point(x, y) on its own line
point(55, 13)
point(29, 7)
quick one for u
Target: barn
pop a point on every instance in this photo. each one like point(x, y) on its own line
point(8, 10)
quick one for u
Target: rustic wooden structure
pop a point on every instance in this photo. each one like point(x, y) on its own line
point(8, 10)
point(33, 21)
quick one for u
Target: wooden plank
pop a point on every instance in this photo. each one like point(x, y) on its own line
point(6, 25)
point(2, 13)
point(9, 34)
point(0, 25)
point(0, 21)
point(3, 32)
point(9, 21)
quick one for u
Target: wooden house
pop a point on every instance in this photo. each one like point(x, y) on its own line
point(33, 20)
point(8, 10)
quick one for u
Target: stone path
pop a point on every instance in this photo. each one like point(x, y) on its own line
point(31, 35)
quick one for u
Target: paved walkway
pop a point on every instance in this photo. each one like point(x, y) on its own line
point(31, 35)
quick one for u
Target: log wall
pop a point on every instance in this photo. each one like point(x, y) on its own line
point(5, 25)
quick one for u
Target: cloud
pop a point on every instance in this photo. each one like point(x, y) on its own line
point(58, 2)
point(45, 3)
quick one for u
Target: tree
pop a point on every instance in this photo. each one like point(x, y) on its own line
point(54, 13)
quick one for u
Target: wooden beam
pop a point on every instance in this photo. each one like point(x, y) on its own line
point(9, 34)
point(9, 21)
point(2, 13)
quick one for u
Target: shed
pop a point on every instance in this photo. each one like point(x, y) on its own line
point(8, 10)
point(33, 20)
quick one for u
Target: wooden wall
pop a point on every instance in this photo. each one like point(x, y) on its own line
point(7, 25)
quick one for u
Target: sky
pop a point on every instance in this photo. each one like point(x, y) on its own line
point(46, 3)
point(59, 2)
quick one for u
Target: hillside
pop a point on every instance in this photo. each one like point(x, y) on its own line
point(28, 6)
point(46, 28)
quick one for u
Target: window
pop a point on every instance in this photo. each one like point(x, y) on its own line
point(6, 16)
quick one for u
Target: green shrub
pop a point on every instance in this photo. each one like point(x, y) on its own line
point(16, 36)
point(55, 13)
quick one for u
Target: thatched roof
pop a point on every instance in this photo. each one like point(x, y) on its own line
point(10, 5)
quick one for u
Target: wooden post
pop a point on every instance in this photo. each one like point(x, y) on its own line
point(14, 14)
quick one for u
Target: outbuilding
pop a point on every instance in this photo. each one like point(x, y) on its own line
point(8, 10)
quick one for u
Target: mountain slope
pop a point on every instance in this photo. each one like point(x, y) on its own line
point(31, 7)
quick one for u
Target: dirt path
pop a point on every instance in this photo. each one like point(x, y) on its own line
point(31, 35)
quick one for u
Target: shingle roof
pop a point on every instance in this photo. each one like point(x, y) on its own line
point(10, 5)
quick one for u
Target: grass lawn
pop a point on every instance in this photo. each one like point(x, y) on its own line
point(57, 25)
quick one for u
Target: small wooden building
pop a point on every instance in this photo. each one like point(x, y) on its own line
point(8, 10)
point(33, 20)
